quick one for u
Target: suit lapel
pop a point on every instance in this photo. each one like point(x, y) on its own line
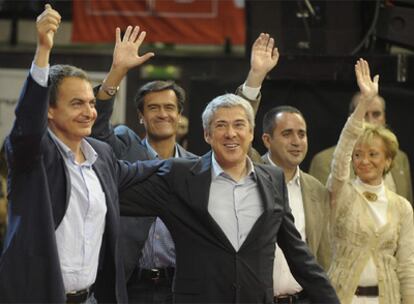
point(110, 222)
point(311, 213)
point(268, 192)
point(198, 184)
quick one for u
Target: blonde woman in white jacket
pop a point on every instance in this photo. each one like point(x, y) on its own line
point(372, 227)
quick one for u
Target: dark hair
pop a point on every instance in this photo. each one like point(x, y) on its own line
point(56, 75)
point(158, 86)
point(354, 101)
point(269, 120)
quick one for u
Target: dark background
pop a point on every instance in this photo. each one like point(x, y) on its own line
point(315, 72)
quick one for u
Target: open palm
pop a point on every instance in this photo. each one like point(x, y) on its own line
point(367, 86)
point(264, 56)
point(126, 49)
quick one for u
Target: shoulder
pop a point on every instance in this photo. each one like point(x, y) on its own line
point(184, 153)
point(401, 157)
point(312, 181)
point(101, 147)
point(178, 167)
point(272, 171)
point(402, 203)
point(123, 130)
point(324, 154)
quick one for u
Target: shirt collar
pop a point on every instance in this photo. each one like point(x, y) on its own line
point(154, 153)
point(217, 170)
point(296, 177)
point(88, 151)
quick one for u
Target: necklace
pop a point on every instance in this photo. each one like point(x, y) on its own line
point(372, 197)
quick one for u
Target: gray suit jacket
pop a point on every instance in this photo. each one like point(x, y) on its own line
point(317, 213)
point(320, 168)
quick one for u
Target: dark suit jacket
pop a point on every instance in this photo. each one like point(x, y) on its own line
point(127, 145)
point(39, 190)
point(208, 268)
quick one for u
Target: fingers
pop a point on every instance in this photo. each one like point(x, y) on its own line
point(49, 19)
point(117, 35)
point(141, 38)
point(275, 54)
point(134, 34)
point(270, 44)
point(127, 34)
point(146, 56)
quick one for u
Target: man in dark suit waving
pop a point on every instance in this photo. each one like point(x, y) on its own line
point(225, 215)
point(62, 243)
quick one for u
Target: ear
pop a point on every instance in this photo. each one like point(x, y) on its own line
point(266, 140)
point(140, 117)
point(207, 137)
point(388, 162)
point(50, 113)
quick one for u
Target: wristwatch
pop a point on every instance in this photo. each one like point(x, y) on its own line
point(110, 90)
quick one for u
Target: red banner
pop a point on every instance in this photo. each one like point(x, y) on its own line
point(169, 21)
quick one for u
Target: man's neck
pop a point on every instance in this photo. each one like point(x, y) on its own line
point(289, 173)
point(73, 144)
point(238, 171)
point(165, 148)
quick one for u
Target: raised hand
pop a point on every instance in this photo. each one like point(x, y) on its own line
point(367, 86)
point(264, 55)
point(264, 58)
point(126, 50)
point(47, 24)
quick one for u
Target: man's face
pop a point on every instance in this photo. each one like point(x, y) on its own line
point(74, 113)
point(230, 136)
point(288, 144)
point(160, 114)
point(375, 113)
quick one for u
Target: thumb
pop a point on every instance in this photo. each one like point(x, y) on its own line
point(146, 56)
point(376, 78)
point(48, 6)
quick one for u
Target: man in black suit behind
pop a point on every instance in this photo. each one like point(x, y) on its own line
point(225, 215)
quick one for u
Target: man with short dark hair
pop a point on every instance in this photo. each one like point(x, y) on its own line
point(148, 249)
point(62, 243)
point(285, 137)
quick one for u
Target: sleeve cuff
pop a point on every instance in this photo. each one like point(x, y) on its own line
point(40, 75)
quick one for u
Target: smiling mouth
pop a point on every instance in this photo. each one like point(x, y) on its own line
point(295, 153)
point(231, 146)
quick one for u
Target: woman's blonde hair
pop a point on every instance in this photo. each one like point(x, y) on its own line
point(388, 138)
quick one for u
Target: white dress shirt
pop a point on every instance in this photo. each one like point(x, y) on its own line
point(235, 206)
point(79, 234)
point(283, 281)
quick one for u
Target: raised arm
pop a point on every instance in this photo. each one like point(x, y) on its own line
point(47, 25)
point(30, 125)
point(340, 167)
point(264, 57)
point(125, 57)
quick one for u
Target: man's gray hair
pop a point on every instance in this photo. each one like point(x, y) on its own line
point(226, 101)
